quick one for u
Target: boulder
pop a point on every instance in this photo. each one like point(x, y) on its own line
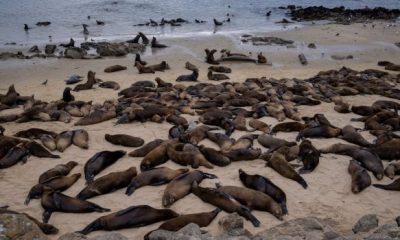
point(232, 225)
point(73, 236)
point(34, 49)
point(110, 236)
point(118, 49)
point(366, 223)
point(19, 227)
point(74, 53)
point(50, 49)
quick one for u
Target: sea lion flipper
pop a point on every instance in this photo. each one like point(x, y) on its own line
point(209, 175)
point(46, 216)
point(247, 214)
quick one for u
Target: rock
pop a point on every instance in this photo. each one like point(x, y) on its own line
point(366, 223)
point(390, 229)
point(19, 227)
point(379, 236)
point(8, 55)
point(114, 68)
point(232, 225)
point(312, 45)
point(34, 49)
point(398, 221)
point(50, 49)
point(73, 236)
point(341, 57)
point(257, 41)
point(161, 235)
point(74, 53)
point(118, 49)
point(110, 236)
point(191, 231)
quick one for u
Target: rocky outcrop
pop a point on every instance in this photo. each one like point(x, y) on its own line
point(107, 236)
point(260, 41)
point(75, 53)
point(50, 49)
point(19, 227)
point(105, 49)
point(366, 223)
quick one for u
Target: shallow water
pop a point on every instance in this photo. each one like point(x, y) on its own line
point(121, 15)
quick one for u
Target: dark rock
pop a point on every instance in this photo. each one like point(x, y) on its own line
point(110, 236)
point(74, 53)
point(118, 49)
point(366, 223)
point(303, 59)
point(270, 41)
point(50, 49)
point(19, 227)
point(34, 49)
point(46, 23)
point(312, 45)
point(232, 225)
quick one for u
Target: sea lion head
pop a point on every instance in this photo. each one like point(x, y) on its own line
point(390, 171)
point(71, 164)
point(35, 192)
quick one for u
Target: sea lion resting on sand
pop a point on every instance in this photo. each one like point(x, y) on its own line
point(99, 162)
point(309, 155)
point(394, 186)
point(194, 158)
point(91, 80)
point(155, 157)
point(124, 140)
point(188, 78)
point(145, 149)
point(360, 178)
point(58, 170)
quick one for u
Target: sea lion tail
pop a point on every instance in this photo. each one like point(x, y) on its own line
point(27, 199)
point(97, 208)
point(384, 187)
point(130, 189)
point(245, 212)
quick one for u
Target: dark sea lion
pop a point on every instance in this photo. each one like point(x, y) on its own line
point(181, 186)
point(223, 201)
point(96, 116)
point(188, 78)
point(49, 142)
point(215, 157)
point(351, 135)
point(148, 147)
point(99, 162)
point(16, 154)
point(273, 143)
point(241, 154)
point(259, 125)
point(392, 170)
point(159, 67)
point(58, 202)
point(210, 56)
point(220, 69)
point(57, 183)
point(114, 68)
point(10, 99)
point(155, 157)
point(194, 158)
point(360, 178)
point(394, 186)
point(124, 140)
point(363, 110)
point(240, 123)
point(135, 216)
point(64, 140)
point(154, 177)
point(110, 84)
point(156, 44)
point(81, 138)
point(177, 120)
point(175, 132)
point(143, 69)
point(253, 199)
point(319, 132)
point(389, 150)
point(309, 155)
point(34, 133)
point(58, 170)
point(263, 184)
point(91, 80)
point(223, 141)
point(107, 184)
point(37, 150)
point(280, 165)
point(288, 127)
point(216, 76)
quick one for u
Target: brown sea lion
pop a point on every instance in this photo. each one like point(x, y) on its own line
point(216, 76)
point(210, 56)
point(91, 80)
point(153, 177)
point(110, 84)
point(81, 138)
point(177, 120)
point(215, 157)
point(99, 162)
point(49, 142)
point(223, 201)
point(389, 150)
point(162, 84)
point(288, 127)
point(10, 99)
point(253, 199)
point(319, 132)
point(143, 151)
point(273, 143)
point(131, 217)
point(96, 116)
point(37, 150)
point(34, 133)
point(155, 157)
point(58, 202)
point(220, 69)
point(114, 68)
point(223, 141)
point(245, 154)
point(16, 154)
point(394, 186)
point(181, 186)
point(392, 170)
point(364, 110)
point(263, 184)
point(280, 165)
point(159, 67)
point(188, 78)
point(143, 69)
point(194, 158)
point(309, 155)
point(360, 178)
point(58, 183)
point(351, 135)
point(340, 148)
point(191, 67)
point(196, 134)
point(107, 184)
point(240, 123)
point(245, 141)
point(58, 170)
point(64, 140)
point(259, 125)
point(124, 140)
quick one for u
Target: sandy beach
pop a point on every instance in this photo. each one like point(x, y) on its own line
point(328, 195)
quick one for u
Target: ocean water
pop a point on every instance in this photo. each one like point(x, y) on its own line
point(67, 17)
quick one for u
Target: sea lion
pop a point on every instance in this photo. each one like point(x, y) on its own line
point(110, 84)
point(58, 202)
point(340, 148)
point(37, 150)
point(96, 116)
point(64, 140)
point(191, 67)
point(162, 84)
point(57, 183)
point(309, 155)
point(259, 125)
point(220, 69)
point(49, 142)
point(273, 143)
point(188, 78)
point(177, 120)
point(261, 59)
point(107, 184)
point(175, 132)
point(143, 69)
point(216, 76)
point(389, 150)
point(240, 123)
point(114, 68)
point(91, 80)
point(156, 44)
point(223, 201)
point(58, 170)
point(124, 140)
point(278, 162)
point(148, 147)
point(364, 110)
point(10, 99)
point(153, 177)
point(288, 127)
point(34, 133)
point(241, 154)
point(99, 162)
point(210, 56)
point(161, 67)
point(81, 138)
point(155, 157)
point(194, 158)
point(215, 157)
point(181, 186)
point(351, 135)
point(319, 132)
point(392, 170)
point(223, 141)
point(360, 178)
point(16, 154)
point(196, 134)
point(134, 216)
point(394, 186)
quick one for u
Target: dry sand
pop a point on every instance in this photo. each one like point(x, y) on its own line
point(328, 195)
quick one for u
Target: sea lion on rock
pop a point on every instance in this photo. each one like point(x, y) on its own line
point(223, 201)
point(194, 158)
point(309, 155)
point(16, 154)
point(81, 138)
point(154, 177)
point(99, 162)
point(148, 147)
point(360, 178)
point(273, 143)
point(34, 133)
point(107, 184)
point(351, 135)
point(58, 170)
point(181, 186)
point(58, 202)
point(135, 216)
point(259, 125)
point(392, 170)
point(64, 140)
point(188, 78)
point(155, 157)
point(124, 140)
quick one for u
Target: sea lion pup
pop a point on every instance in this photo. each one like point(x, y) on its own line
point(392, 169)
point(96, 116)
point(223, 201)
point(360, 178)
point(389, 150)
point(188, 78)
point(288, 127)
point(319, 132)
point(259, 125)
point(216, 76)
point(156, 44)
point(131, 217)
point(143, 69)
point(81, 138)
point(64, 140)
point(253, 199)
point(110, 84)
point(309, 155)
point(161, 67)
point(180, 186)
point(107, 183)
point(16, 154)
point(210, 56)
point(148, 147)
point(58, 183)
point(394, 186)
point(215, 157)
point(91, 80)
point(155, 157)
point(222, 140)
point(34, 133)
point(154, 177)
point(124, 140)
point(58, 202)
point(202, 219)
point(273, 143)
point(351, 135)
point(37, 150)
point(194, 158)
point(196, 134)
point(114, 68)
point(191, 67)
point(49, 142)
point(99, 162)
point(58, 170)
